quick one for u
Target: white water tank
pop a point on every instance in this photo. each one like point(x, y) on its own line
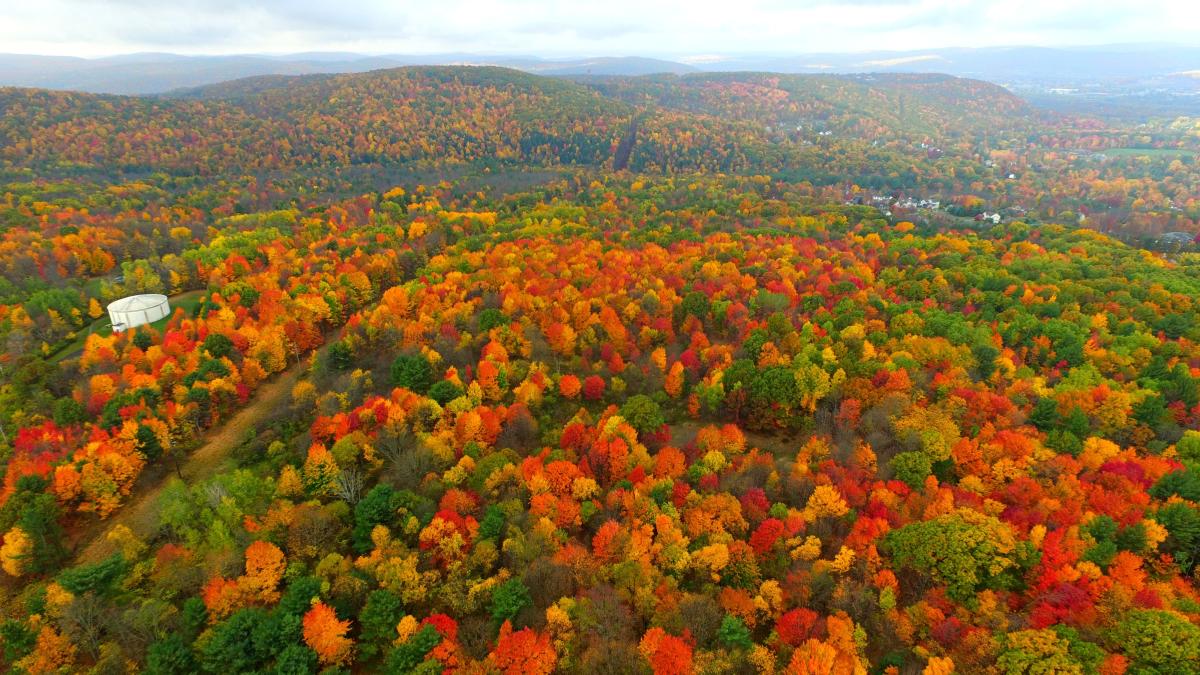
point(136, 310)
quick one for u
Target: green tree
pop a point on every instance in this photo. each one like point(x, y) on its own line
point(378, 507)
point(1044, 414)
point(491, 318)
point(68, 411)
point(100, 578)
point(643, 414)
point(1158, 642)
point(194, 616)
point(774, 392)
point(962, 550)
point(299, 596)
point(912, 468)
point(341, 356)
point(492, 524)
point(1077, 423)
point(1132, 538)
point(1188, 446)
point(1067, 340)
point(413, 372)
point(218, 345)
point(231, 647)
point(148, 443)
point(408, 656)
point(985, 358)
point(18, 639)
point(379, 616)
point(694, 304)
point(1033, 652)
point(61, 300)
point(509, 598)
point(1151, 410)
point(1184, 483)
point(39, 520)
point(734, 633)
point(1182, 523)
point(753, 344)
point(170, 656)
point(775, 385)
point(296, 659)
point(444, 391)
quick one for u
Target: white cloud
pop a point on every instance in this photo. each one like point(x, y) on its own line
point(549, 27)
point(903, 60)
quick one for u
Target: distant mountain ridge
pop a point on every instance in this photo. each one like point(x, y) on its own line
point(150, 73)
point(153, 73)
point(996, 64)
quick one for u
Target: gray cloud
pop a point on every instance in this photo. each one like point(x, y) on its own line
point(553, 27)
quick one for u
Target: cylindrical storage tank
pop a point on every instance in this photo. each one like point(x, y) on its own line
point(136, 310)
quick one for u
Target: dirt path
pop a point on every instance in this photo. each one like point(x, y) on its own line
point(141, 513)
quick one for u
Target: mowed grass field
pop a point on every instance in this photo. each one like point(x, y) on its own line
point(185, 301)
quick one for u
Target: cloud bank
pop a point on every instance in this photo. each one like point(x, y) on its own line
point(672, 28)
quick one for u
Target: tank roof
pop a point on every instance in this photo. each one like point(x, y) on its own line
point(134, 303)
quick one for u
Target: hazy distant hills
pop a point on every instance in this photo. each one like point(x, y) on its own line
point(997, 64)
point(158, 73)
point(146, 73)
point(1122, 66)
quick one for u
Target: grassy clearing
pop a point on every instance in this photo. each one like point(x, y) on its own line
point(185, 301)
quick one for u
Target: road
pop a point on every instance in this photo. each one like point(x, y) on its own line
point(140, 514)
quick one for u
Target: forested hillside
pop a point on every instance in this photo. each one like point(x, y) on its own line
point(444, 390)
point(875, 106)
point(886, 140)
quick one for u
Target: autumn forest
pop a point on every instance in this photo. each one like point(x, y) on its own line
point(473, 371)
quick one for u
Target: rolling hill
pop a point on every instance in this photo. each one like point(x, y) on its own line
point(897, 104)
point(717, 122)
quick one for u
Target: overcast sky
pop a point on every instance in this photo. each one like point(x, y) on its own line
point(681, 29)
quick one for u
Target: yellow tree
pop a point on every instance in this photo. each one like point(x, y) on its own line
point(17, 547)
